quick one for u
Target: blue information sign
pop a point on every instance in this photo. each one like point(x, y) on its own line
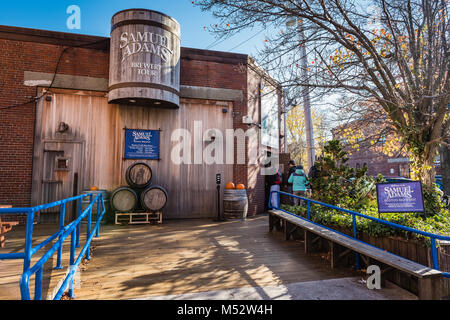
point(400, 197)
point(142, 144)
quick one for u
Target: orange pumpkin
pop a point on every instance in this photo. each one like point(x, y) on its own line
point(229, 185)
point(94, 188)
point(240, 186)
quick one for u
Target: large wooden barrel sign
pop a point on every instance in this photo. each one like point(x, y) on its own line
point(124, 199)
point(144, 59)
point(235, 204)
point(139, 175)
point(154, 199)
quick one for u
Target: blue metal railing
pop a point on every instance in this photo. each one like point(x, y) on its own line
point(433, 237)
point(73, 229)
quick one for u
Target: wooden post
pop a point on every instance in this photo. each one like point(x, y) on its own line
point(287, 230)
point(309, 238)
point(271, 218)
point(429, 288)
point(334, 254)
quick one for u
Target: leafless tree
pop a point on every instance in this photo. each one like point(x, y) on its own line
point(393, 53)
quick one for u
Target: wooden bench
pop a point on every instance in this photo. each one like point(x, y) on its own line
point(429, 280)
point(4, 228)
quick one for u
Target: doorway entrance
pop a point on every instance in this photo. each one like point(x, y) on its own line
point(61, 168)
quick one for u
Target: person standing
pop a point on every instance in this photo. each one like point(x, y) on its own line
point(299, 183)
point(289, 185)
point(274, 182)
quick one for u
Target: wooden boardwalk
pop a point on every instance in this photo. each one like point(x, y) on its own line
point(180, 257)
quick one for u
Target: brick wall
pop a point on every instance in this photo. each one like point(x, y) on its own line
point(378, 164)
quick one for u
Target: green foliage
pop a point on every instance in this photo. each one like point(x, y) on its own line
point(438, 224)
point(432, 200)
point(337, 184)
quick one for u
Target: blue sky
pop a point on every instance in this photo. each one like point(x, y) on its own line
point(96, 16)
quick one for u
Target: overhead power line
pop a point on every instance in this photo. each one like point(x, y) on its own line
point(240, 44)
point(36, 99)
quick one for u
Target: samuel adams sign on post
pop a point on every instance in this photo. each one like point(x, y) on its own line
point(400, 197)
point(142, 144)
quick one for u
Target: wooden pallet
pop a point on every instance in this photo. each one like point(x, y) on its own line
point(142, 217)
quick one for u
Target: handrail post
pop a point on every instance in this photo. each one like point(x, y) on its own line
point(98, 215)
point(88, 229)
point(308, 205)
point(355, 235)
point(28, 239)
point(38, 285)
point(434, 253)
point(62, 213)
point(72, 260)
point(278, 200)
point(270, 199)
point(80, 206)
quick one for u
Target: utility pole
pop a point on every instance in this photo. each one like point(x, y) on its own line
point(305, 92)
point(306, 99)
point(285, 110)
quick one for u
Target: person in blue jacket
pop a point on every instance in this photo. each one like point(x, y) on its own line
point(299, 182)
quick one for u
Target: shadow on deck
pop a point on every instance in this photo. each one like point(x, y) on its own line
point(185, 256)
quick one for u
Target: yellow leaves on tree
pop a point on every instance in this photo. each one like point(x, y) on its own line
point(295, 123)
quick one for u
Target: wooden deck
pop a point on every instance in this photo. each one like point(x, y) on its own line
point(183, 256)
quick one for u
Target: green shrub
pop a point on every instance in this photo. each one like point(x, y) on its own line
point(437, 224)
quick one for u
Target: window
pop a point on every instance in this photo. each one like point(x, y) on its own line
point(62, 164)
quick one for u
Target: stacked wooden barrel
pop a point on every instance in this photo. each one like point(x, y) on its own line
point(139, 195)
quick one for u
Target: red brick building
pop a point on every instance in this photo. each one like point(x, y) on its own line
point(367, 148)
point(43, 72)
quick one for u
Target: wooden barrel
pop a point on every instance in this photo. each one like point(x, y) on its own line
point(124, 199)
point(154, 199)
point(235, 204)
point(139, 175)
point(86, 201)
point(144, 59)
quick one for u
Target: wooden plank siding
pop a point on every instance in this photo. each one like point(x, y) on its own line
point(98, 126)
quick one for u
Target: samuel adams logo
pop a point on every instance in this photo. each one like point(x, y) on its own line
point(139, 136)
point(398, 192)
point(145, 42)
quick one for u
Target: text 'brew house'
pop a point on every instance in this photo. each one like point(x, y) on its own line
point(113, 112)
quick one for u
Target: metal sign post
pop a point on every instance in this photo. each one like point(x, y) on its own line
point(218, 182)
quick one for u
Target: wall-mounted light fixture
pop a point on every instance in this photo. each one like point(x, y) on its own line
point(62, 127)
